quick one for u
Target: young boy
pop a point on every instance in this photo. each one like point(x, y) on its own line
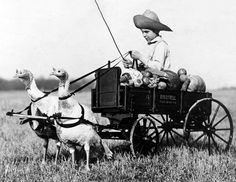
point(158, 53)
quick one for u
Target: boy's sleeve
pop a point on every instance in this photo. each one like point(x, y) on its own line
point(161, 57)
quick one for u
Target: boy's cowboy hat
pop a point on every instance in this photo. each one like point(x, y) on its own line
point(149, 20)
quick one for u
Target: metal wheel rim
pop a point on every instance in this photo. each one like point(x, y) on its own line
point(213, 135)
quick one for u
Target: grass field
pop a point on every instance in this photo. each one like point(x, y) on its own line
point(21, 154)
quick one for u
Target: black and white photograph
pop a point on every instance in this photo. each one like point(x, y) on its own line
point(117, 90)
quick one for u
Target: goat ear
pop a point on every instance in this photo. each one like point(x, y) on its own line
point(54, 69)
point(16, 70)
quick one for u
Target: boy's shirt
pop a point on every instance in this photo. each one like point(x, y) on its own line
point(157, 54)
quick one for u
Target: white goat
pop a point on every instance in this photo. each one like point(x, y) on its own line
point(47, 105)
point(82, 134)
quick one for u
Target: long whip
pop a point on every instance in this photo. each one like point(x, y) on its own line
point(109, 30)
point(47, 93)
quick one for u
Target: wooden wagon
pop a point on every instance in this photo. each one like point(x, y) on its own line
point(149, 118)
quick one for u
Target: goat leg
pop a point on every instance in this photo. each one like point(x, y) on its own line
point(108, 152)
point(45, 150)
point(72, 151)
point(87, 149)
point(58, 144)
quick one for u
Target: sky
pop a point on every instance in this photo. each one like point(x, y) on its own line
point(41, 34)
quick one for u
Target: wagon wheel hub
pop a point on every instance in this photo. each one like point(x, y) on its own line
point(208, 131)
point(168, 126)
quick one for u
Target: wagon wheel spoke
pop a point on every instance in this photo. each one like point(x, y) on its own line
point(161, 132)
point(208, 120)
point(163, 118)
point(178, 134)
point(167, 120)
point(160, 122)
point(222, 129)
point(150, 135)
point(205, 123)
point(167, 138)
point(149, 126)
point(162, 137)
point(219, 121)
point(215, 144)
point(144, 123)
point(195, 141)
point(209, 145)
point(220, 138)
point(173, 138)
point(215, 113)
point(152, 140)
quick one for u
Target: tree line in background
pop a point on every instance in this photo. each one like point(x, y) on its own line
point(42, 83)
point(49, 84)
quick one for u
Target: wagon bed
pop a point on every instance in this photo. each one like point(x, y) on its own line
point(149, 118)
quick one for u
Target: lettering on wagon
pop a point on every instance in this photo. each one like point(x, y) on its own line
point(167, 99)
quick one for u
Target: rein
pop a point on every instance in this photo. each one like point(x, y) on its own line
point(85, 85)
point(73, 81)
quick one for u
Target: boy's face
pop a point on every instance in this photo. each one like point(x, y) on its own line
point(148, 34)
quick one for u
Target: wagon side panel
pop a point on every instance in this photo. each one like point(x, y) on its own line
point(140, 100)
point(189, 98)
point(106, 95)
point(167, 102)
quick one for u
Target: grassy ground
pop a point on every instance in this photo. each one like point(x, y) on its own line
point(21, 154)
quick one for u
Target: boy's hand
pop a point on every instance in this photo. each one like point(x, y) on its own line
point(127, 63)
point(135, 55)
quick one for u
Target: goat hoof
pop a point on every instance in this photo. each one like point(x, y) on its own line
point(110, 156)
point(85, 170)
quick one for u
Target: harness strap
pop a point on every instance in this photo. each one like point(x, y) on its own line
point(81, 120)
point(85, 85)
point(10, 113)
point(82, 112)
point(64, 97)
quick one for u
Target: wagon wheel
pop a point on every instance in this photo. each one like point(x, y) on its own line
point(144, 137)
point(170, 131)
point(209, 125)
